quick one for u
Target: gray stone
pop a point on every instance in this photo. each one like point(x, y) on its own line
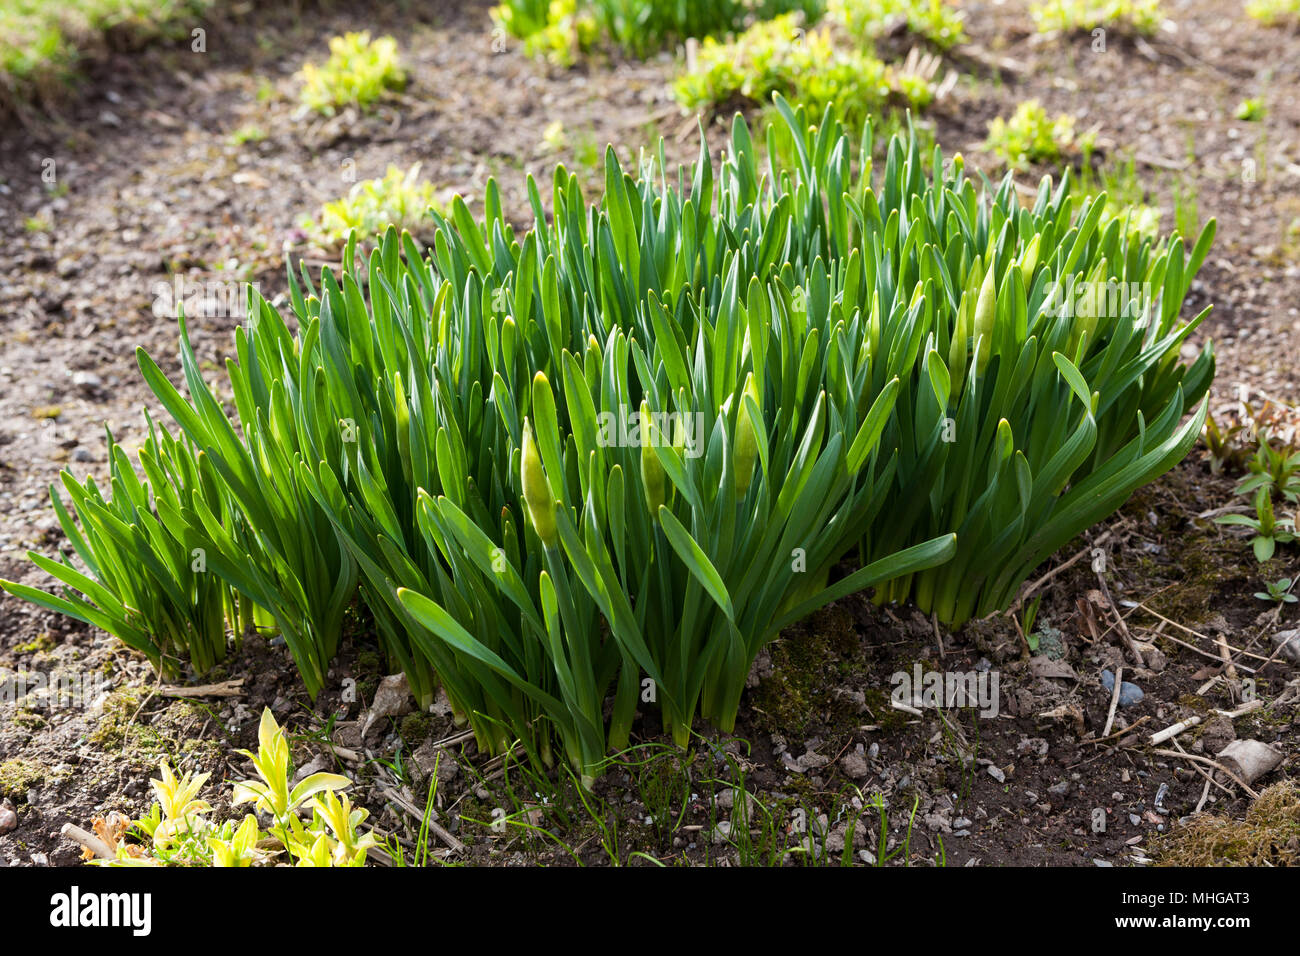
point(1218, 733)
point(1129, 694)
point(854, 764)
point(427, 757)
point(1289, 641)
point(392, 699)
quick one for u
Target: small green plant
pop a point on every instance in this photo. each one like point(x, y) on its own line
point(398, 199)
point(177, 832)
point(1030, 136)
point(779, 57)
point(1274, 12)
point(904, 848)
point(1070, 16)
point(1250, 110)
point(1028, 617)
point(358, 73)
point(1276, 469)
point(1270, 531)
point(423, 850)
point(554, 136)
point(271, 794)
point(562, 30)
point(179, 812)
point(1223, 443)
point(1279, 592)
point(248, 133)
point(935, 20)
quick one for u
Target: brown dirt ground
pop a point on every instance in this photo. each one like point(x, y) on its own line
point(150, 184)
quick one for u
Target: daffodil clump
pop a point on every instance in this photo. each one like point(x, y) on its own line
point(592, 468)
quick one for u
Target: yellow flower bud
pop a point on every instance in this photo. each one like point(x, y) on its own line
point(1088, 308)
point(985, 310)
point(874, 323)
point(746, 439)
point(652, 470)
point(402, 412)
point(959, 350)
point(1029, 260)
point(537, 490)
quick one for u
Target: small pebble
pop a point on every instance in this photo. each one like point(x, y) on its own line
point(1129, 694)
point(855, 765)
point(8, 820)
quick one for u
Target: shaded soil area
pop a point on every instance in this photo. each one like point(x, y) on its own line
point(157, 178)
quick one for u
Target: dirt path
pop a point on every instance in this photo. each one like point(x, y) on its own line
point(150, 184)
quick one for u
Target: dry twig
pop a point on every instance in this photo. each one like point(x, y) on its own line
point(88, 840)
point(1114, 700)
point(227, 688)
